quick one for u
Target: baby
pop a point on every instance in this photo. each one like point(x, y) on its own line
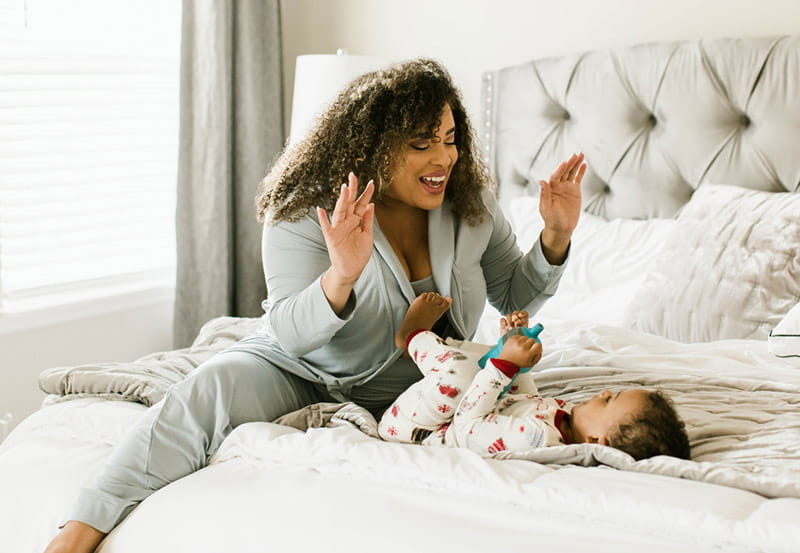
point(458, 404)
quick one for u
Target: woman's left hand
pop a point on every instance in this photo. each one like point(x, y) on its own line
point(560, 207)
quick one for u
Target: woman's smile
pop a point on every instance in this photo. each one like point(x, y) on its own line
point(434, 182)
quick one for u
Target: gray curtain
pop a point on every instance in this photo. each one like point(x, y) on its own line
point(231, 129)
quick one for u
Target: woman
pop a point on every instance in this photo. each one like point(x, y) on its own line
point(342, 266)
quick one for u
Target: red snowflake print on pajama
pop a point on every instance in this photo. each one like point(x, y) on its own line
point(498, 445)
point(444, 357)
point(448, 391)
point(444, 408)
point(392, 431)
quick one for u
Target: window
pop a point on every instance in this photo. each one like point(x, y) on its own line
point(88, 149)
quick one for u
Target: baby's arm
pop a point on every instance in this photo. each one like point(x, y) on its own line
point(481, 397)
point(523, 383)
point(487, 385)
point(495, 432)
point(478, 427)
point(476, 409)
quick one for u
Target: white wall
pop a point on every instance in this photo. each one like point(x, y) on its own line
point(471, 36)
point(122, 334)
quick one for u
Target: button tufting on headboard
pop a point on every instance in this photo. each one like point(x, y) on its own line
point(744, 120)
point(654, 120)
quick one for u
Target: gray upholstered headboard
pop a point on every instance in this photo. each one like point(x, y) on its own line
point(655, 121)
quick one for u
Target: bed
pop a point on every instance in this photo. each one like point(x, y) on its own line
point(684, 275)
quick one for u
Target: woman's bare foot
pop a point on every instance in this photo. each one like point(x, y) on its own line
point(513, 320)
point(76, 537)
point(424, 311)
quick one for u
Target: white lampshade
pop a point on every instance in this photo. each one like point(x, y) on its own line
point(318, 78)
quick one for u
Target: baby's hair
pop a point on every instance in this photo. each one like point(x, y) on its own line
point(655, 430)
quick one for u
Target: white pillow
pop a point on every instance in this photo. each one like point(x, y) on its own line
point(784, 340)
point(732, 270)
point(608, 261)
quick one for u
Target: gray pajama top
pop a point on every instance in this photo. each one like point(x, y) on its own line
point(304, 336)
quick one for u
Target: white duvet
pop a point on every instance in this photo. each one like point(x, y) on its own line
point(355, 493)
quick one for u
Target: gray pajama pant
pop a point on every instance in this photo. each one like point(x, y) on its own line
point(176, 436)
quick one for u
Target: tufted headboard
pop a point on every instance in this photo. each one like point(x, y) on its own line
point(654, 120)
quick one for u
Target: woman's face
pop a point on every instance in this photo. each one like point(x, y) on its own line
point(424, 166)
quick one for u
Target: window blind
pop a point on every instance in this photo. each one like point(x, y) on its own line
point(88, 149)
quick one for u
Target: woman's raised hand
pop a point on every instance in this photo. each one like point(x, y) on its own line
point(348, 233)
point(560, 207)
point(560, 198)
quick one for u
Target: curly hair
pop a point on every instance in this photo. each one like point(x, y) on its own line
point(655, 430)
point(363, 131)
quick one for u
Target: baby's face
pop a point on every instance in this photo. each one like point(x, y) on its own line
point(606, 410)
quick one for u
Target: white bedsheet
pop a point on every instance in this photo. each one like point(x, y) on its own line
point(46, 459)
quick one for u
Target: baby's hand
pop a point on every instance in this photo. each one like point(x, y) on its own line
point(522, 351)
point(513, 320)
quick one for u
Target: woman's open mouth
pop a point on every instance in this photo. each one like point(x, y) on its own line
point(435, 184)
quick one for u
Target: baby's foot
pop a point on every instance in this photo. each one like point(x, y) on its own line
point(513, 320)
point(424, 311)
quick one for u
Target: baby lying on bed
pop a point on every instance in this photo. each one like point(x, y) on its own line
point(458, 404)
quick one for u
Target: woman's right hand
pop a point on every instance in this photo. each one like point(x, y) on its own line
point(348, 237)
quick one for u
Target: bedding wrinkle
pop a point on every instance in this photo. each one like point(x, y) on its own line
point(753, 278)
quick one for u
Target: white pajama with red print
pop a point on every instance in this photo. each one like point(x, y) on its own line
point(457, 404)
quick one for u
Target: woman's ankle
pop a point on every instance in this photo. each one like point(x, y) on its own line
point(76, 537)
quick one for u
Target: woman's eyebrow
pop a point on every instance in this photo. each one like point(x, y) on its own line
point(423, 135)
